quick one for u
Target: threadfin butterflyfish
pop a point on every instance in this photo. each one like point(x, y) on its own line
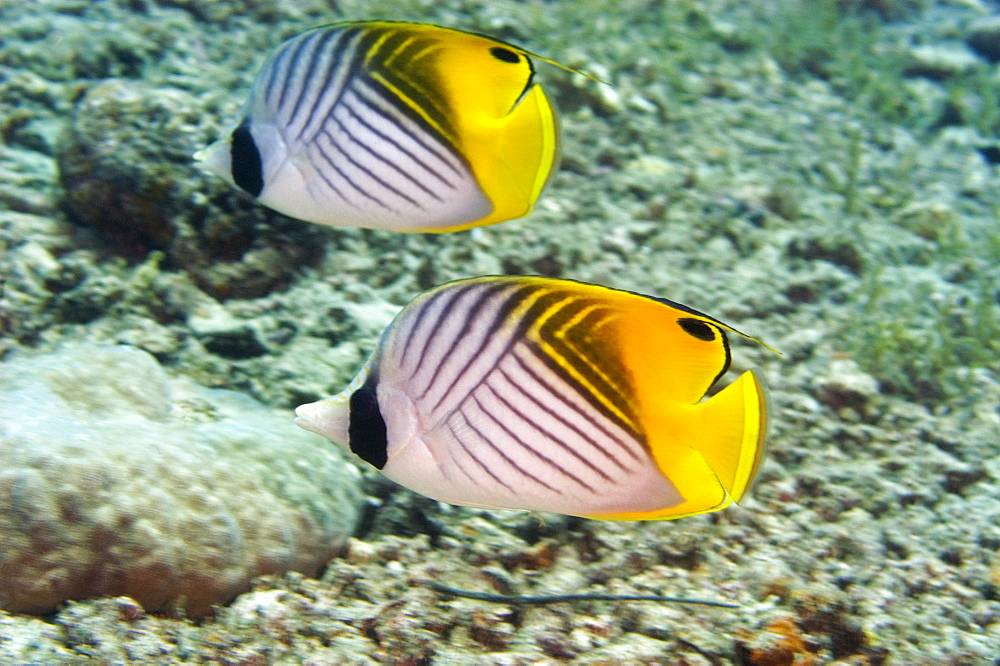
point(552, 395)
point(393, 125)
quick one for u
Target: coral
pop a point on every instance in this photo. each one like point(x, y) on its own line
point(120, 481)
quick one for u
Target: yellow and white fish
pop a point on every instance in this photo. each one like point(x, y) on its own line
point(392, 125)
point(552, 395)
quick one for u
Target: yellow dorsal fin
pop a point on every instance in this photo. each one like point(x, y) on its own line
point(567, 68)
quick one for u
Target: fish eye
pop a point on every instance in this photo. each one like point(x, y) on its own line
point(696, 328)
point(504, 55)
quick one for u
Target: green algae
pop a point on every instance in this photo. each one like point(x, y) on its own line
point(932, 342)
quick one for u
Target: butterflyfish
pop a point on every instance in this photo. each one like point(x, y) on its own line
point(393, 125)
point(553, 395)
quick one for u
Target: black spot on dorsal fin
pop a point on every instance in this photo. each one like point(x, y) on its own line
point(505, 54)
point(697, 329)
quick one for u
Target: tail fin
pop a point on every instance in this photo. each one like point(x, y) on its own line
point(514, 157)
point(732, 427)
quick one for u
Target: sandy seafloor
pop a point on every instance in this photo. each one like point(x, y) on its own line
point(751, 159)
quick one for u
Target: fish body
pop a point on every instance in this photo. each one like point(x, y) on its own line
point(552, 395)
point(393, 125)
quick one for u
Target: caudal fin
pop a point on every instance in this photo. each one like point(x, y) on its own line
point(732, 430)
point(711, 451)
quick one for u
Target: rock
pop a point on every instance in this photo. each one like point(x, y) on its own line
point(126, 165)
point(940, 62)
point(845, 385)
point(842, 251)
point(118, 480)
point(984, 38)
point(30, 640)
point(225, 335)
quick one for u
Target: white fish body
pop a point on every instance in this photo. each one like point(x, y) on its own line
point(514, 393)
point(359, 124)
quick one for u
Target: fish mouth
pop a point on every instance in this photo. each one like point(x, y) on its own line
point(215, 159)
point(307, 417)
point(329, 418)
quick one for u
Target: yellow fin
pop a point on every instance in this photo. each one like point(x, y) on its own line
point(515, 157)
point(711, 451)
point(695, 481)
point(729, 430)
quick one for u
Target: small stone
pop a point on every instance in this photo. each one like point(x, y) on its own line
point(962, 476)
point(491, 630)
point(845, 385)
point(226, 335)
point(940, 62)
point(557, 646)
point(984, 38)
point(128, 610)
point(359, 552)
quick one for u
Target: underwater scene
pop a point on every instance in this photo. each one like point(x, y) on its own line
point(500, 332)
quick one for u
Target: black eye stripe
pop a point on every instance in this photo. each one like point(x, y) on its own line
point(245, 164)
point(504, 54)
point(366, 429)
point(697, 329)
